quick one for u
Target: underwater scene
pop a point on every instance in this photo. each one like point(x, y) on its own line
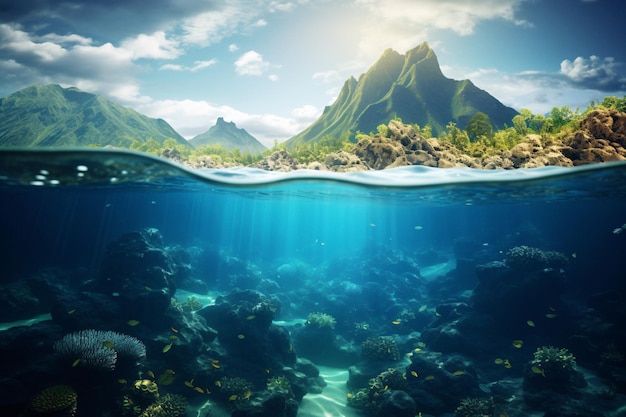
point(132, 286)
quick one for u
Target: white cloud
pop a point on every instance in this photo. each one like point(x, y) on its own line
point(155, 46)
point(328, 77)
point(594, 72)
point(233, 48)
point(197, 66)
point(402, 24)
point(251, 63)
point(273, 77)
point(192, 117)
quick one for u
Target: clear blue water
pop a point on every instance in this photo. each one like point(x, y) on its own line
point(62, 209)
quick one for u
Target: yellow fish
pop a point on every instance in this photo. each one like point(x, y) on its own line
point(396, 322)
point(518, 343)
point(219, 384)
point(247, 394)
point(215, 365)
point(531, 323)
point(122, 381)
point(349, 395)
point(151, 374)
point(232, 397)
point(189, 383)
point(538, 370)
point(241, 336)
point(414, 374)
point(167, 348)
point(458, 373)
point(132, 322)
point(250, 317)
point(76, 362)
point(507, 364)
point(200, 390)
point(72, 311)
point(429, 378)
point(174, 329)
point(148, 289)
point(108, 344)
point(173, 337)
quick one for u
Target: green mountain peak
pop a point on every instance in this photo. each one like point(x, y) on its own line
point(411, 87)
point(228, 135)
point(50, 115)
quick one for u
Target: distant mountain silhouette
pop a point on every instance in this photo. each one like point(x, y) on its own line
point(411, 87)
point(230, 137)
point(54, 116)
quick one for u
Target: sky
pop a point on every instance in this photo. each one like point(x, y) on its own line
point(271, 66)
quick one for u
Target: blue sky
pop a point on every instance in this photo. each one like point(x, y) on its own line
point(271, 66)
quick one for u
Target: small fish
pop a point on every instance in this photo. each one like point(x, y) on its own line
point(396, 322)
point(386, 388)
point(198, 389)
point(247, 394)
point(422, 308)
point(132, 323)
point(414, 373)
point(458, 373)
point(122, 381)
point(530, 323)
point(418, 228)
point(218, 384)
point(232, 397)
point(169, 371)
point(108, 344)
point(150, 374)
point(507, 364)
point(267, 370)
point(189, 383)
point(173, 337)
point(372, 224)
point(503, 414)
point(215, 361)
point(498, 361)
point(72, 311)
point(551, 316)
point(215, 365)
point(148, 288)
point(173, 329)
point(421, 344)
point(115, 294)
point(241, 336)
point(250, 317)
point(552, 308)
point(574, 255)
point(484, 388)
point(207, 391)
point(349, 395)
point(538, 370)
point(290, 347)
point(76, 362)
point(429, 378)
point(518, 343)
point(167, 348)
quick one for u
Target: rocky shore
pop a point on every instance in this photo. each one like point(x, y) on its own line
point(601, 137)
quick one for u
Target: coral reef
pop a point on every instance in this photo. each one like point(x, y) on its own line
point(380, 348)
point(475, 407)
point(97, 349)
point(527, 258)
point(321, 320)
point(58, 400)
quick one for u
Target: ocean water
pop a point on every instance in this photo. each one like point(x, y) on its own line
point(421, 259)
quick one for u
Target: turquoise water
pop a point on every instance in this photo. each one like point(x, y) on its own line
point(310, 238)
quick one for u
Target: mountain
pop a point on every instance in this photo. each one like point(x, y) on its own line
point(229, 136)
point(411, 87)
point(54, 116)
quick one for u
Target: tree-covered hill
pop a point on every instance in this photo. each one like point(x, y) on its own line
point(54, 116)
